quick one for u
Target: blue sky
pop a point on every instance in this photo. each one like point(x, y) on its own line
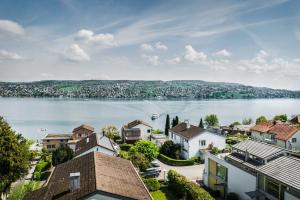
point(250, 42)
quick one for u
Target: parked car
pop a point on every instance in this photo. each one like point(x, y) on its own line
point(151, 174)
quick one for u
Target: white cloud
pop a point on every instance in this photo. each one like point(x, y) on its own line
point(192, 55)
point(7, 26)
point(223, 53)
point(96, 76)
point(89, 36)
point(153, 60)
point(76, 54)
point(47, 75)
point(174, 61)
point(147, 47)
point(160, 46)
point(6, 55)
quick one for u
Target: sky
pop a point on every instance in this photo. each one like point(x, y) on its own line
point(254, 42)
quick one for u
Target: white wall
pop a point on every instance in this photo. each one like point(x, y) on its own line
point(144, 131)
point(238, 181)
point(98, 149)
point(295, 146)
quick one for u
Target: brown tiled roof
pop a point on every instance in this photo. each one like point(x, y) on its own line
point(98, 173)
point(191, 132)
point(296, 120)
point(135, 123)
point(94, 140)
point(85, 127)
point(284, 131)
point(262, 127)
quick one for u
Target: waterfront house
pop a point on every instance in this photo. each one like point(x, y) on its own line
point(296, 120)
point(136, 130)
point(192, 139)
point(254, 170)
point(93, 176)
point(97, 142)
point(82, 131)
point(283, 135)
point(53, 141)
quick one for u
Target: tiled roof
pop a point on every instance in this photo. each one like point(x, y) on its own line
point(192, 131)
point(135, 123)
point(98, 173)
point(94, 139)
point(262, 127)
point(284, 131)
point(58, 136)
point(84, 126)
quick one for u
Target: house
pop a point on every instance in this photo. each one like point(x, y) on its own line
point(97, 142)
point(192, 139)
point(158, 139)
point(93, 176)
point(53, 141)
point(296, 120)
point(136, 130)
point(283, 135)
point(254, 170)
point(82, 132)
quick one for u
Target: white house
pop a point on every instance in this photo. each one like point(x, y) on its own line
point(192, 139)
point(136, 130)
point(96, 142)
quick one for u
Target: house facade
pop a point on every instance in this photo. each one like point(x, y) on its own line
point(254, 170)
point(192, 139)
point(82, 131)
point(136, 130)
point(53, 141)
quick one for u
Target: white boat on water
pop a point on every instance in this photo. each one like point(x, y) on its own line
point(155, 116)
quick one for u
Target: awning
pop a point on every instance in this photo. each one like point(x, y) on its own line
point(255, 194)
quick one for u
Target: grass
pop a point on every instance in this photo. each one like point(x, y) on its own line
point(163, 194)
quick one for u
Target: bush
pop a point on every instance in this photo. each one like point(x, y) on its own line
point(61, 155)
point(170, 149)
point(124, 155)
point(232, 196)
point(170, 161)
point(147, 148)
point(187, 189)
point(125, 147)
point(152, 184)
point(40, 168)
point(20, 190)
point(215, 150)
point(139, 160)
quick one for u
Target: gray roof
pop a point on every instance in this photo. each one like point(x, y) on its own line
point(258, 149)
point(284, 169)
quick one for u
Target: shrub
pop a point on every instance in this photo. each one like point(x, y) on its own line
point(40, 168)
point(147, 148)
point(232, 196)
point(170, 161)
point(152, 184)
point(124, 155)
point(61, 155)
point(196, 192)
point(170, 149)
point(215, 150)
point(21, 189)
point(139, 160)
point(125, 147)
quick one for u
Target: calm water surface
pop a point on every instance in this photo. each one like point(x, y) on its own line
point(30, 116)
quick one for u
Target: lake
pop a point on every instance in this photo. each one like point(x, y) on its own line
point(36, 117)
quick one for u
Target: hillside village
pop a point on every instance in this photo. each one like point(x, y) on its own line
point(241, 161)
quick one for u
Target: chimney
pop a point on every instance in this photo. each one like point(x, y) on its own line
point(87, 140)
point(188, 125)
point(74, 181)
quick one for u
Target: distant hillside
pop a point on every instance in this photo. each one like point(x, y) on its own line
point(140, 89)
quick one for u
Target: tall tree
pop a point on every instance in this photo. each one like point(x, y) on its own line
point(211, 120)
point(175, 121)
point(282, 118)
point(247, 121)
point(112, 132)
point(61, 155)
point(261, 119)
point(167, 126)
point(201, 125)
point(14, 156)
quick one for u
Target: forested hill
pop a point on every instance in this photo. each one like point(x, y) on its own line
point(140, 89)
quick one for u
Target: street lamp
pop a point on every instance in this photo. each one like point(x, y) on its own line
point(165, 175)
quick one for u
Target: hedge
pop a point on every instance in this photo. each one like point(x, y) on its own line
point(185, 188)
point(125, 147)
point(174, 162)
point(152, 184)
point(40, 169)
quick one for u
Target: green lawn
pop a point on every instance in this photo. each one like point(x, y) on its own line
point(163, 194)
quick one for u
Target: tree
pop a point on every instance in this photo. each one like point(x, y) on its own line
point(282, 118)
point(147, 148)
point(20, 190)
point(211, 120)
point(112, 132)
point(175, 121)
point(61, 155)
point(15, 155)
point(170, 149)
point(139, 160)
point(234, 124)
point(201, 125)
point(261, 119)
point(167, 126)
point(247, 121)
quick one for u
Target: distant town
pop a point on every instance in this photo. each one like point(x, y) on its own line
point(122, 89)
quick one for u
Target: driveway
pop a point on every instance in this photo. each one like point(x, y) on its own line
point(193, 172)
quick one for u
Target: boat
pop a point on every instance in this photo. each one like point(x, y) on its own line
point(155, 116)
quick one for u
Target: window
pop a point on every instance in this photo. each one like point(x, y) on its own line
point(53, 146)
point(221, 171)
point(148, 130)
point(294, 140)
point(48, 140)
point(202, 143)
point(61, 140)
point(272, 188)
point(48, 146)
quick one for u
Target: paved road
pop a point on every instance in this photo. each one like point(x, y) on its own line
point(193, 172)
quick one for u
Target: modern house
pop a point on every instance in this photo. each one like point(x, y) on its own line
point(283, 135)
point(97, 142)
point(254, 170)
point(192, 139)
point(136, 130)
point(93, 176)
point(53, 141)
